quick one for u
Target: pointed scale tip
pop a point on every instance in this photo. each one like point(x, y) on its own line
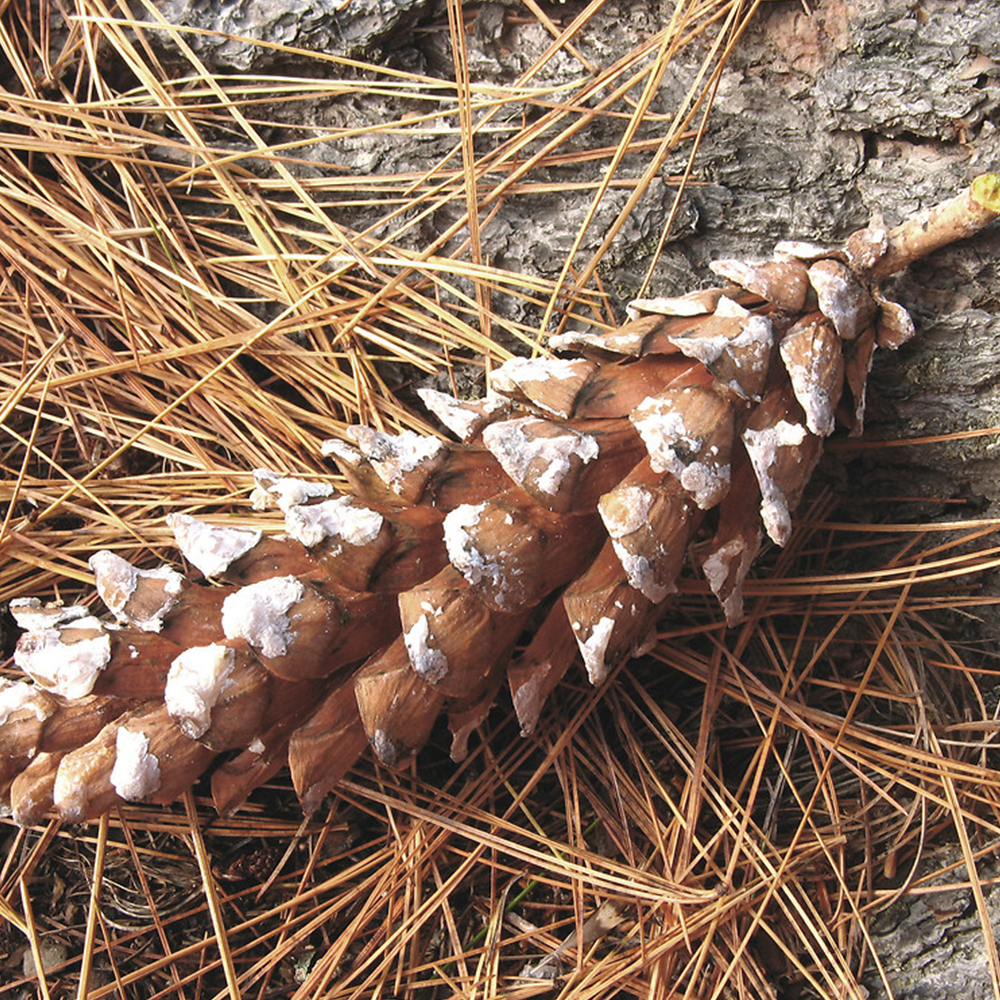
point(397, 706)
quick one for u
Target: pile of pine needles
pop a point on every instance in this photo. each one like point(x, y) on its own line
point(186, 297)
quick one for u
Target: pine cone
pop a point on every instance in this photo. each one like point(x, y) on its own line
point(563, 518)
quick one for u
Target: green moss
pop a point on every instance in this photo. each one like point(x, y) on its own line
point(630, 255)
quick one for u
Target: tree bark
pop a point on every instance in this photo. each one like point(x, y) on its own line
point(931, 943)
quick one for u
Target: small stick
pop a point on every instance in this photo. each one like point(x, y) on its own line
point(956, 219)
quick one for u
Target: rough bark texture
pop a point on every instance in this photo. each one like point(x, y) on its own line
point(931, 945)
point(820, 118)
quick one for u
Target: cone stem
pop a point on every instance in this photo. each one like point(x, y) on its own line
point(959, 217)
